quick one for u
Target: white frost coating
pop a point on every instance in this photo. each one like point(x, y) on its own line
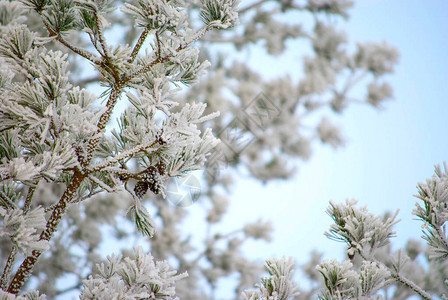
point(134, 277)
point(24, 230)
point(329, 133)
point(56, 125)
point(434, 212)
point(344, 281)
point(378, 92)
point(341, 279)
point(30, 295)
point(220, 14)
point(279, 285)
point(259, 230)
point(151, 100)
point(20, 170)
point(360, 229)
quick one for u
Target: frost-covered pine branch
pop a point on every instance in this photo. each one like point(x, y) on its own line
point(135, 277)
point(279, 285)
point(373, 270)
point(58, 147)
point(53, 130)
point(434, 213)
point(367, 235)
point(363, 232)
point(342, 282)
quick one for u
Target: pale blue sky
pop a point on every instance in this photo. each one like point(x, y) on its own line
point(387, 152)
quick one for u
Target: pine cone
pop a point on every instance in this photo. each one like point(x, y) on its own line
point(150, 178)
point(155, 187)
point(151, 170)
point(141, 188)
point(161, 167)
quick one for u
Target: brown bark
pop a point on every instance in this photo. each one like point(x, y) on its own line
point(25, 269)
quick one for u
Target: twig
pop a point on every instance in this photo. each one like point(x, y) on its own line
point(7, 201)
point(29, 197)
point(229, 234)
point(88, 80)
point(249, 7)
point(50, 208)
point(222, 40)
point(101, 36)
point(159, 50)
point(120, 172)
point(94, 43)
point(196, 36)
point(354, 79)
point(81, 52)
point(6, 128)
point(146, 68)
point(8, 267)
point(105, 53)
point(121, 156)
point(139, 45)
point(25, 269)
point(412, 286)
point(403, 280)
point(442, 236)
point(90, 195)
point(101, 184)
point(167, 58)
point(104, 119)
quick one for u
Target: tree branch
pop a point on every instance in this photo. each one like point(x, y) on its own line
point(121, 156)
point(25, 269)
point(81, 52)
point(29, 197)
point(13, 253)
point(139, 44)
point(412, 286)
point(104, 119)
point(100, 35)
point(251, 6)
point(8, 267)
point(5, 199)
point(442, 236)
point(85, 81)
point(146, 68)
point(403, 280)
